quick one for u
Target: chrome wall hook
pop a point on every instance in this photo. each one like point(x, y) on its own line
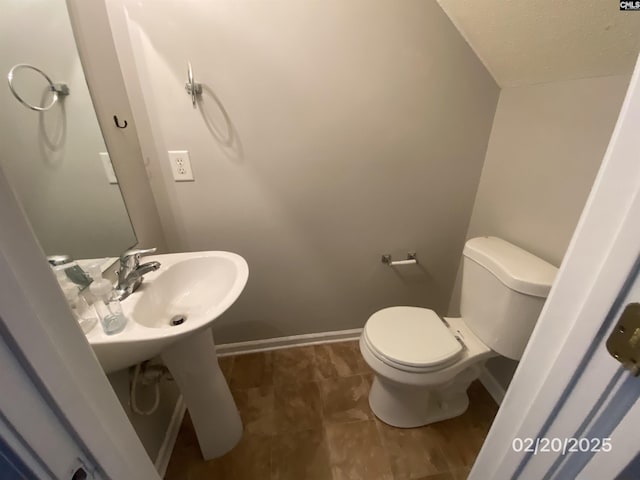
point(192, 87)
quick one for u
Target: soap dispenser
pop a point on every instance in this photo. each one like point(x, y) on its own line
point(106, 304)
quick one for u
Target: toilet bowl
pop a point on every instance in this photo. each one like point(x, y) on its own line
point(415, 386)
point(423, 363)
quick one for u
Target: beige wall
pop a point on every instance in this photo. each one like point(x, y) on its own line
point(359, 129)
point(546, 146)
point(151, 429)
point(545, 149)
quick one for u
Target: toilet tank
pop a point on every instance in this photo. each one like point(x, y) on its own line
point(503, 291)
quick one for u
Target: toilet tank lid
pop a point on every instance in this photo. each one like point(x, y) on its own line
point(516, 268)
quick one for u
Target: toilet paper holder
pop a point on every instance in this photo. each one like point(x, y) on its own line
point(412, 259)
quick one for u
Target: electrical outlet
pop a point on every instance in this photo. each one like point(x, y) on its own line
point(108, 167)
point(180, 165)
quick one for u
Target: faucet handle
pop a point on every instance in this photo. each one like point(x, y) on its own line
point(138, 251)
point(135, 255)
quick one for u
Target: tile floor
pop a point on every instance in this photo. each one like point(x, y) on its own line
point(306, 417)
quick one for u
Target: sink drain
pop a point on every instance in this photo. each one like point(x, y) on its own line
point(177, 320)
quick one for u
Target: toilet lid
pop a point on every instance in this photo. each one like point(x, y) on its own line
point(411, 336)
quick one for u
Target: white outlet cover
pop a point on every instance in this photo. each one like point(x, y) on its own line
point(180, 165)
point(108, 167)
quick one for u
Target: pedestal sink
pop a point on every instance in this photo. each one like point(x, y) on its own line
point(171, 315)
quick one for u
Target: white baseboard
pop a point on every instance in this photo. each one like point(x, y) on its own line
point(492, 385)
point(286, 342)
point(164, 454)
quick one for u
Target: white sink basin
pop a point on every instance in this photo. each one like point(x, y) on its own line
point(195, 286)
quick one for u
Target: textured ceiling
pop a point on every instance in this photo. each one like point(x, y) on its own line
point(535, 41)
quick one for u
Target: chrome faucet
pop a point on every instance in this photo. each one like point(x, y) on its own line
point(131, 271)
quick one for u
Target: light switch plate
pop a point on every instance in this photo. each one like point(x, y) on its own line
point(108, 167)
point(180, 165)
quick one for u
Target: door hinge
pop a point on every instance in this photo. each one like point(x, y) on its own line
point(624, 342)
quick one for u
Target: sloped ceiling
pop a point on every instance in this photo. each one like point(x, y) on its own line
point(537, 41)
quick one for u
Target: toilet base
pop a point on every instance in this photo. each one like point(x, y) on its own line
point(406, 406)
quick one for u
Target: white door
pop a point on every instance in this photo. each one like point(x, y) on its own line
point(33, 441)
point(599, 407)
point(619, 420)
point(571, 410)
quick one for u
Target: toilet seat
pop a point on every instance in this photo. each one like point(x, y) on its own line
point(411, 338)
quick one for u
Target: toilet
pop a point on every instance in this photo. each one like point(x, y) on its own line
point(423, 363)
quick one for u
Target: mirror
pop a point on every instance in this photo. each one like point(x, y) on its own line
point(55, 158)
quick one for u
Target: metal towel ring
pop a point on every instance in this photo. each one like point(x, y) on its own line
point(58, 89)
point(193, 88)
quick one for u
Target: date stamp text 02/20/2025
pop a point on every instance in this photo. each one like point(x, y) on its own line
point(560, 445)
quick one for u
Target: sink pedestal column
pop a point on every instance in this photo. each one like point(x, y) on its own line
point(194, 366)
